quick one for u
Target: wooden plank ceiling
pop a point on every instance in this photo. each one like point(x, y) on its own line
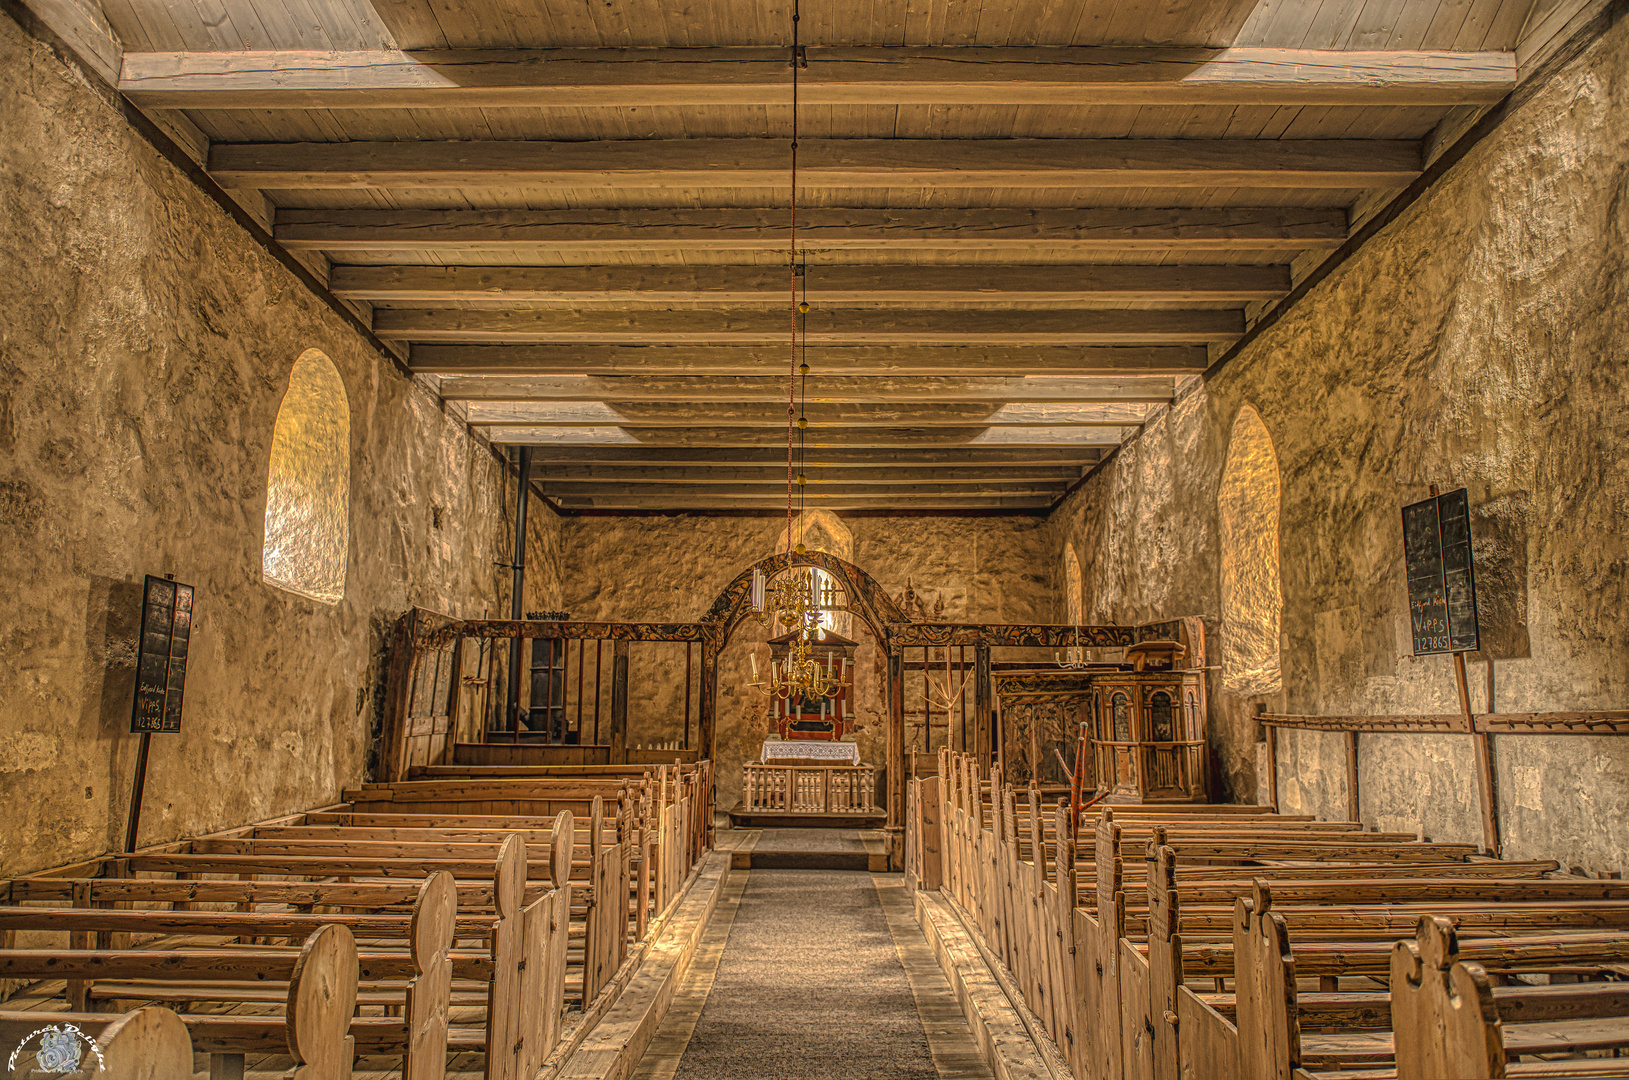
point(1021, 224)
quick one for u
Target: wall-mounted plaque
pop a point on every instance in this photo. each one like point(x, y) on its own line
point(161, 664)
point(1441, 574)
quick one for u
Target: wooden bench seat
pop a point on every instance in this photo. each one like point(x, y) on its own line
point(518, 938)
point(151, 1042)
point(321, 987)
point(1400, 919)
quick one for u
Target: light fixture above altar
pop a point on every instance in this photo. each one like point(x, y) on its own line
point(798, 603)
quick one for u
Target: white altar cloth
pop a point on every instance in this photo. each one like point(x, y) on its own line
point(845, 753)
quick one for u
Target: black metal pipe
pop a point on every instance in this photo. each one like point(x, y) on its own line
point(517, 591)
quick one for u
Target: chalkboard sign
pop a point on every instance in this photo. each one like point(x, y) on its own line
point(1441, 574)
point(161, 665)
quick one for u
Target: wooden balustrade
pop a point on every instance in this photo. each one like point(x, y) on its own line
point(810, 789)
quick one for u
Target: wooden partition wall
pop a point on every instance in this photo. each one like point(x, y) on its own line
point(430, 712)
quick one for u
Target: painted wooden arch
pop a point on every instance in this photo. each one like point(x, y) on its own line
point(868, 600)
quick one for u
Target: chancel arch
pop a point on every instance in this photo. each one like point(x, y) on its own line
point(1252, 596)
point(308, 480)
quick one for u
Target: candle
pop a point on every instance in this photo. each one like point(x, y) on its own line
point(754, 665)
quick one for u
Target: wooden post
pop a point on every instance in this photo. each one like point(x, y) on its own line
point(707, 702)
point(133, 820)
point(928, 810)
point(981, 704)
point(1352, 813)
point(1486, 793)
point(619, 702)
point(687, 653)
point(896, 756)
point(1271, 734)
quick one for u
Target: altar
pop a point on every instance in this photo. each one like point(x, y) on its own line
point(808, 751)
point(810, 763)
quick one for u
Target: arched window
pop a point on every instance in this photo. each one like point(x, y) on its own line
point(308, 485)
point(822, 530)
point(1072, 598)
point(1252, 599)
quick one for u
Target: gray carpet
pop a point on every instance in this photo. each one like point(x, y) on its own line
point(810, 987)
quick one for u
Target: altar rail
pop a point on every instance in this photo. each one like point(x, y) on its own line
point(810, 789)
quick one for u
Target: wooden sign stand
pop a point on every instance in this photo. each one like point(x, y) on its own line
point(161, 674)
point(1453, 633)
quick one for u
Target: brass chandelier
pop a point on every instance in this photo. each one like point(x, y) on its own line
point(798, 604)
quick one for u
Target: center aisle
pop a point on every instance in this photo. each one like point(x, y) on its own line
point(815, 975)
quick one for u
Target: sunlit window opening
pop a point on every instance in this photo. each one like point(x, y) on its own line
point(1252, 598)
point(308, 484)
point(1073, 601)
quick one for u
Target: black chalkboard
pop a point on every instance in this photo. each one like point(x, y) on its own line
point(1441, 574)
point(161, 664)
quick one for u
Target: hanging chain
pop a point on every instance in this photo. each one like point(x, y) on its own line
point(792, 272)
point(803, 395)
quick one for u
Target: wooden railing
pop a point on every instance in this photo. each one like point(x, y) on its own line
point(810, 789)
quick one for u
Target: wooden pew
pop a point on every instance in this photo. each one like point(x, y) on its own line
point(314, 1027)
point(1449, 1020)
point(140, 1045)
point(521, 969)
point(1272, 1018)
point(1128, 1010)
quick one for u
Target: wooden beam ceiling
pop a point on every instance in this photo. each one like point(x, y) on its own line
point(554, 475)
point(819, 284)
point(817, 488)
point(853, 326)
point(703, 500)
point(997, 229)
point(498, 214)
point(883, 460)
point(853, 75)
point(869, 360)
point(924, 414)
point(820, 438)
point(833, 389)
point(823, 163)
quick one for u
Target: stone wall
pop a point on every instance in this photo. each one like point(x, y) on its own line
point(146, 347)
point(1480, 340)
point(642, 569)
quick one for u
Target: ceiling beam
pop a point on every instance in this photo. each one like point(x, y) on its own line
point(835, 75)
point(550, 457)
point(1007, 230)
point(561, 476)
point(819, 284)
point(902, 359)
point(773, 415)
point(822, 163)
point(82, 26)
point(990, 488)
point(821, 326)
point(834, 389)
point(816, 438)
point(683, 501)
